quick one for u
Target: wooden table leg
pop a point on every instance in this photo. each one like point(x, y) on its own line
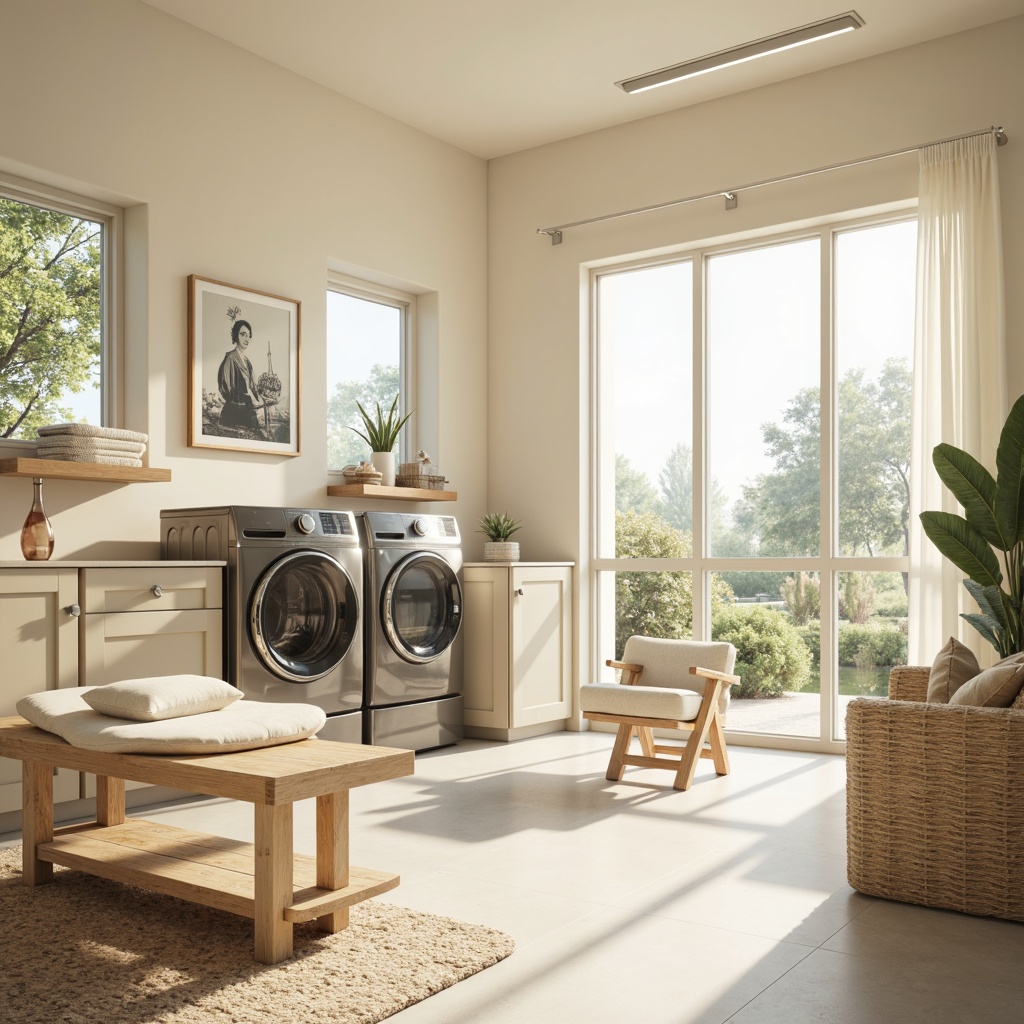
point(109, 800)
point(332, 853)
point(36, 819)
point(273, 882)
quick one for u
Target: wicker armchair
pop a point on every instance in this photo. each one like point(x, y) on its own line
point(935, 801)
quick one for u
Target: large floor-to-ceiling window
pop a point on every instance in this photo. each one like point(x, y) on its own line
point(752, 406)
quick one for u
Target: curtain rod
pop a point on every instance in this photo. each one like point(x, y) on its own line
point(730, 195)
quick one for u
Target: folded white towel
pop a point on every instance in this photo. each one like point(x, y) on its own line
point(107, 460)
point(88, 430)
point(87, 445)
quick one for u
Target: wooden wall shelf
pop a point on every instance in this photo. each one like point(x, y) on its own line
point(98, 472)
point(378, 491)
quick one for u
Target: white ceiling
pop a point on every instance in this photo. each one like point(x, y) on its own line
point(497, 76)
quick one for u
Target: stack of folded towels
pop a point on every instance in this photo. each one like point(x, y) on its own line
point(82, 442)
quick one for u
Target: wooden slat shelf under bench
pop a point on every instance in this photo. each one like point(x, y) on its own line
point(200, 868)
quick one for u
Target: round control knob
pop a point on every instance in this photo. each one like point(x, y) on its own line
point(419, 527)
point(305, 523)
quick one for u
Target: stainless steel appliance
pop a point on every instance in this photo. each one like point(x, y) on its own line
point(413, 675)
point(293, 628)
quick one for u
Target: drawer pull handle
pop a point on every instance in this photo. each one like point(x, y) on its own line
point(74, 609)
point(158, 591)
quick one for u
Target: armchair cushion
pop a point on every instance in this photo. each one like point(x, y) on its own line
point(995, 687)
point(667, 663)
point(954, 665)
point(640, 701)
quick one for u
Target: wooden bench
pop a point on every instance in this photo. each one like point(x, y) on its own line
point(264, 881)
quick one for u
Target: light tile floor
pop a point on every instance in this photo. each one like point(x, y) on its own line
point(633, 902)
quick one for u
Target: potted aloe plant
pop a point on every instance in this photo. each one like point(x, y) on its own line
point(993, 522)
point(382, 435)
point(498, 527)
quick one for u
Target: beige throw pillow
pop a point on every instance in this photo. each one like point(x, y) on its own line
point(161, 697)
point(953, 666)
point(996, 687)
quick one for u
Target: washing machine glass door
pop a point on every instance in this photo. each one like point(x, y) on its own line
point(421, 607)
point(303, 615)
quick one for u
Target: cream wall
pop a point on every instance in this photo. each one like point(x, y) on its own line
point(538, 345)
point(237, 170)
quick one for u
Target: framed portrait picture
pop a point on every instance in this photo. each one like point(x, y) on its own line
point(243, 369)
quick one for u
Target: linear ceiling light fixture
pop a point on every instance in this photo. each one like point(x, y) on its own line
point(748, 51)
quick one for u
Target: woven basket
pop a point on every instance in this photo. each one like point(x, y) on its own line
point(935, 801)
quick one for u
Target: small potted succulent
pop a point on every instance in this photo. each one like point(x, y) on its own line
point(498, 527)
point(381, 435)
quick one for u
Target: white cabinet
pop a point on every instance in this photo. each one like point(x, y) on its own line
point(517, 635)
point(156, 620)
point(90, 625)
point(39, 645)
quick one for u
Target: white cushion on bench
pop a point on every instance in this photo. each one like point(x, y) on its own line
point(160, 697)
point(640, 701)
point(243, 725)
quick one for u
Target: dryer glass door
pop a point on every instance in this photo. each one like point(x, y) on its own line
point(421, 607)
point(303, 615)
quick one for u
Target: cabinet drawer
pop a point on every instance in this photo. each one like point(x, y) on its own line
point(156, 588)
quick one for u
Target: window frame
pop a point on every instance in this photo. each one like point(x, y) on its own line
point(405, 303)
point(828, 563)
point(111, 219)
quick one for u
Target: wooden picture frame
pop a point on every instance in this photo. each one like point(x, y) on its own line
point(243, 369)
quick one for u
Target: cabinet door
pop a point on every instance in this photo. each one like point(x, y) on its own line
point(136, 645)
point(541, 644)
point(39, 641)
point(485, 633)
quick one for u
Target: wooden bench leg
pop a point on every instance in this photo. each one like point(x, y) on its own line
point(273, 882)
point(36, 820)
point(332, 854)
point(109, 800)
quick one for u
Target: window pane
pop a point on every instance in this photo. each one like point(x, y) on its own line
point(656, 604)
point(872, 635)
point(645, 329)
point(50, 319)
point(364, 364)
point(875, 275)
point(763, 368)
point(773, 621)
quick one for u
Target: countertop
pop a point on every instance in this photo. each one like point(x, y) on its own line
point(107, 563)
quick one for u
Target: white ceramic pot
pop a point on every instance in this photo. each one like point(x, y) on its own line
point(501, 551)
point(384, 463)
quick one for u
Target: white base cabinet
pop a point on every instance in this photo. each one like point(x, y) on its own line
point(88, 626)
point(517, 635)
point(39, 645)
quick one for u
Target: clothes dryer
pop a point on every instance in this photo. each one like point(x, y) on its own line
point(293, 628)
point(413, 688)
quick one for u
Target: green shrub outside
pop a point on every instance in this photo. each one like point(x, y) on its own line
point(871, 645)
point(771, 657)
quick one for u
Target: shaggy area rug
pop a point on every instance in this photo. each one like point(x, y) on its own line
point(83, 950)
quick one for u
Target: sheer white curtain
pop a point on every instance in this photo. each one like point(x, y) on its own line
point(959, 366)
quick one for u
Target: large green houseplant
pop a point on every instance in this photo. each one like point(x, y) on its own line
point(993, 522)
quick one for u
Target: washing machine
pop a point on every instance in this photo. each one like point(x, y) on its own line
point(413, 612)
point(293, 629)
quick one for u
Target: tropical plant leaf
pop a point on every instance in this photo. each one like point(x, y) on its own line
point(1010, 467)
point(988, 628)
point(964, 546)
point(989, 600)
point(973, 486)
